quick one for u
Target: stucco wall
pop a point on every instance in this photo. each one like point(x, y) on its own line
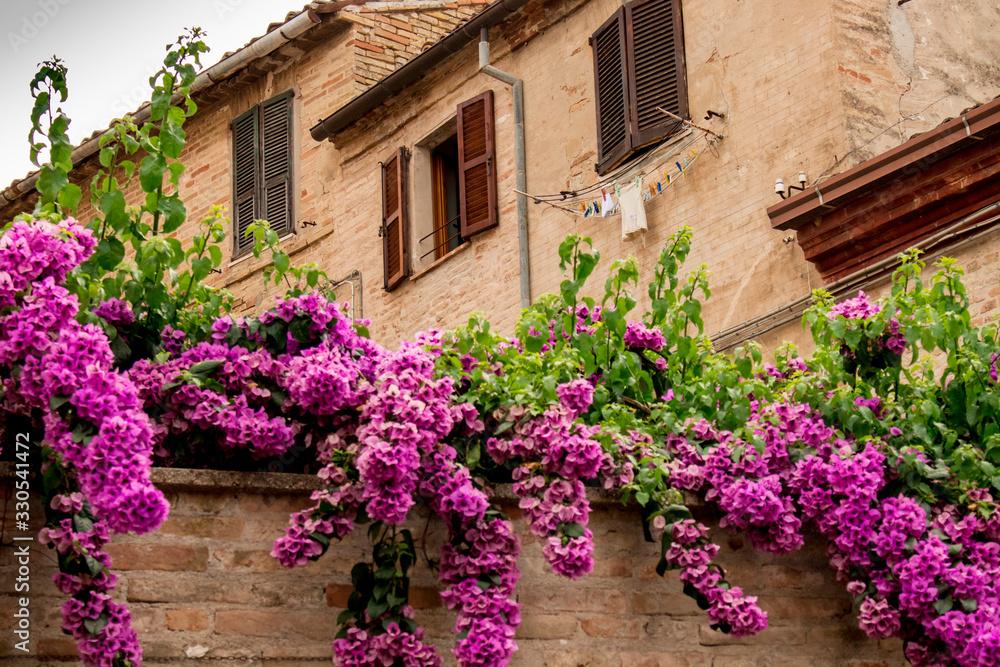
point(203, 587)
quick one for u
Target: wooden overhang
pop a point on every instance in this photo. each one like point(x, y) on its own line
point(894, 200)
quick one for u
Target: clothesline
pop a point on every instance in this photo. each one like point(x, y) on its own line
point(608, 203)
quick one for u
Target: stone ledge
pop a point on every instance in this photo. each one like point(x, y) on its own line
point(190, 479)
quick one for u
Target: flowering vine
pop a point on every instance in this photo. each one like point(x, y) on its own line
point(893, 462)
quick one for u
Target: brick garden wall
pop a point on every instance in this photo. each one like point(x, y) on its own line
point(204, 588)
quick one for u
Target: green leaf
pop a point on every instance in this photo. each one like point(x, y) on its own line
point(174, 212)
point(56, 402)
point(172, 139)
point(160, 102)
point(110, 253)
point(82, 524)
point(113, 207)
point(151, 172)
point(642, 497)
point(205, 368)
point(93, 565)
point(573, 529)
point(943, 606)
point(95, 625)
point(50, 182)
point(69, 196)
point(281, 262)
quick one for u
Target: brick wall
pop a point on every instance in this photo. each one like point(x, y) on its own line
point(388, 34)
point(204, 587)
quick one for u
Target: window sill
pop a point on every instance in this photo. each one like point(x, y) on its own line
point(440, 261)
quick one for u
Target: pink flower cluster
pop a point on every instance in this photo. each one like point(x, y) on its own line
point(232, 411)
point(556, 453)
point(861, 308)
point(639, 337)
point(393, 647)
point(116, 312)
point(93, 421)
point(926, 577)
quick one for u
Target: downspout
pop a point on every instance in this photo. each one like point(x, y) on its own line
point(520, 161)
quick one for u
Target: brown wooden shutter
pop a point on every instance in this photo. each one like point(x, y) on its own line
point(611, 87)
point(245, 178)
point(276, 163)
point(477, 181)
point(393, 230)
point(656, 66)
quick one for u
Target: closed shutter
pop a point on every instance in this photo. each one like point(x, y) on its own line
point(477, 183)
point(656, 62)
point(276, 163)
point(638, 66)
point(245, 178)
point(611, 85)
point(393, 230)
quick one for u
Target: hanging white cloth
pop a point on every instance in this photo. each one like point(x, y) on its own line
point(633, 210)
point(607, 205)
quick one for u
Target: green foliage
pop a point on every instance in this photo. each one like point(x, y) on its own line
point(297, 279)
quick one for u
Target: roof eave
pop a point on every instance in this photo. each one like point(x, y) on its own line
point(413, 70)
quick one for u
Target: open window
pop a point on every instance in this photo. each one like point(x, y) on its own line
point(262, 169)
point(451, 191)
point(638, 66)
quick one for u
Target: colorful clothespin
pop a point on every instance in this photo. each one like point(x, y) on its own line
point(652, 190)
point(658, 187)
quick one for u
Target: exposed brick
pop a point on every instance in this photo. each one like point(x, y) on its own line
point(175, 590)
point(188, 620)
point(338, 594)
point(672, 604)
point(158, 557)
point(252, 560)
point(611, 628)
point(218, 528)
point(283, 624)
point(547, 626)
point(594, 600)
point(774, 635)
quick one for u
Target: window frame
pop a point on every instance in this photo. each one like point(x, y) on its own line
point(474, 126)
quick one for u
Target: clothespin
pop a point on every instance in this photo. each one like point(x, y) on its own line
point(618, 190)
point(668, 178)
point(652, 190)
point(694, 153)
point(658, 188)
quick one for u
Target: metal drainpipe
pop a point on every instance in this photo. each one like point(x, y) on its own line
point(522, 181)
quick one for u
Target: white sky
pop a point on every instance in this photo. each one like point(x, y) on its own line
point(110, 47)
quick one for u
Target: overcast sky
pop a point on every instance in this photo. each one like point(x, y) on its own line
point(111, 47)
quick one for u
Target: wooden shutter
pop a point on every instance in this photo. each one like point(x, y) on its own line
point(477, 181)
point(393, 229)
point(245, 178)
point(611, 86)
point(276, 163)
point(656, 68)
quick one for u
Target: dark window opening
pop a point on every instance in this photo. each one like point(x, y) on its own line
point(445, 196)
